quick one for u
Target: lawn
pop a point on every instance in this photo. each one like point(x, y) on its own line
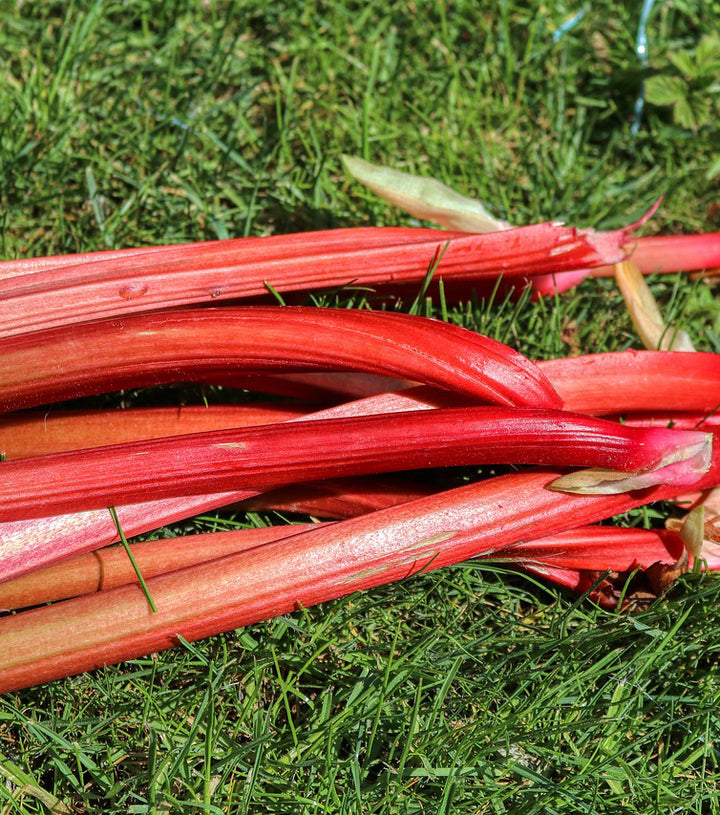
point(473, 689)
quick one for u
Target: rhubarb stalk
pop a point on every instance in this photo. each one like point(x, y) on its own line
point(270, 456)
point(44, 296)
point(625, 381)
point(36, 433)
point(193, 344)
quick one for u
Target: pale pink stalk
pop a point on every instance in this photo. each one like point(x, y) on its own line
point(652, 255)
point(327, 387)
point(672, 253)
point(30, 544)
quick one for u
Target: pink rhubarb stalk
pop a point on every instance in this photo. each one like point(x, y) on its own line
point(671, 253)
point(619, 382)
point(676, 420)
point(598, 548)
point(193, 344)
point(25, 545)
point(338, 499)
point(32, 544)
point(29, 544)
point(110, 567)
point(270, 456)
point(652, 255)
point(602, 384)
point(52, 292)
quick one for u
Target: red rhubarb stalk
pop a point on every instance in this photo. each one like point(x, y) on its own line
point(613, 382)
point(29, 544)
point(652, 255)
point(52, 293)
point(338, 499)
point(598, 548)
point(270, 456)
point(192, 344)
point(671, 253)
point(34, 543)
point(589, 548)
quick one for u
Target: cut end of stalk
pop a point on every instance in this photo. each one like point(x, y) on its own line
point(683, 466)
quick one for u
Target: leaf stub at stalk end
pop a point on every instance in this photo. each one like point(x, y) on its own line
point(682, 467)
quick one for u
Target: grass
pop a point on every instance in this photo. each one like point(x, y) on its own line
point(471, 690)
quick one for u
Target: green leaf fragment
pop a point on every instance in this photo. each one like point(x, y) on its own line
point(684, 62)
point(684, 115)
point(707, 54)
point(665, 90)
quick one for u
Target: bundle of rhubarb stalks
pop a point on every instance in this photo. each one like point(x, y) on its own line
point(371, 398)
